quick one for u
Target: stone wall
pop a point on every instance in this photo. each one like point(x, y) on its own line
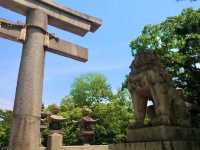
point(163, 145)
point(83, 147)
point(86, 147)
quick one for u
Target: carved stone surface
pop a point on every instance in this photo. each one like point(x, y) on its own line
point(161, 145)
point(148, 80)
point(163, 133)
point(169, 127)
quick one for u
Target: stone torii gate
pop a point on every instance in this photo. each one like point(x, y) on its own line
point(25, 133)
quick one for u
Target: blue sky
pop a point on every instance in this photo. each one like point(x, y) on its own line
point(109, 52)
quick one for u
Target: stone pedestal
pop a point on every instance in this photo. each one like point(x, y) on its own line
point(163, 133)
point(55, 141)
point(161, 138)
point(162, 145)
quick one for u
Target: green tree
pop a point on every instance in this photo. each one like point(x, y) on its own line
point(90, 89)
point(5, 122)
point(113, 119)
point(112, 111)
point(177, 41)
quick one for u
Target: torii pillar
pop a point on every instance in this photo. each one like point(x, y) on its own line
point(27, 107)
point(25, 133)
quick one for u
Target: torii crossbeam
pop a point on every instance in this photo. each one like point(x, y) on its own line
point(25, 133)
point(17, 32)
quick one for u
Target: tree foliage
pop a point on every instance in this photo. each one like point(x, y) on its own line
point(5, 122)
point(112, 111)
point(90, 89)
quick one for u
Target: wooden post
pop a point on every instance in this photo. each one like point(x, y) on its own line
point(25, 133)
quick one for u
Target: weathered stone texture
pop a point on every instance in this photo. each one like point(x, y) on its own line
point(43, 148)
point(55, 141)
point(52, 43)
point(165, 145)
point(148, 80)
point(169, 127)
point(25, 133)
point(86, 147)
point(59, 16)
point(163, 133)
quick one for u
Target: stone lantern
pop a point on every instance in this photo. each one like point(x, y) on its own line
point(86, 123)
point(55, 120)
point(55, 138)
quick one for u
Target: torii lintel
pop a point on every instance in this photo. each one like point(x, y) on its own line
point(58, 15)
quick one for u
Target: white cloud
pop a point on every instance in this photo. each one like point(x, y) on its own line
point(115, 91)
point(6, 104)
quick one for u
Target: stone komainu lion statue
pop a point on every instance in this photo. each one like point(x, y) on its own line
point(148, 80)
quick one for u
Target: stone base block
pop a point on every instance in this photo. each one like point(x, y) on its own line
point(163, 133)
point(167, 145)
point(86, 147)
point(55, 141)
point(43, 148)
